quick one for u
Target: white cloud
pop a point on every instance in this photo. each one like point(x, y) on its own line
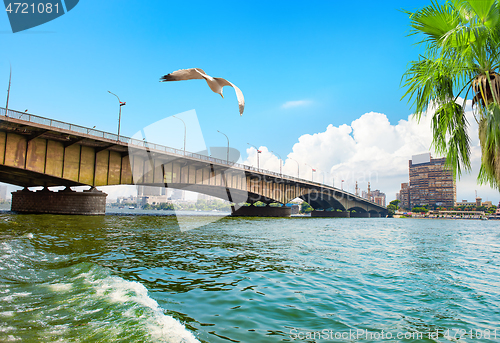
point(296, 103)
point(371, 149)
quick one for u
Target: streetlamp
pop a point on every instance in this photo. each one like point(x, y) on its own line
point(312, 171)
point(8, 94)
point(342, 185)
point(184, 133)
point(227, 156)
point(297, 167)
point(120, 113)
point(258, 152)
point(280, 162)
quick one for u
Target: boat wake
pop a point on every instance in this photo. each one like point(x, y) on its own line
point(44, 298)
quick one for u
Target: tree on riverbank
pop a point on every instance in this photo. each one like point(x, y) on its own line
point(305, 207)
point(461, 59)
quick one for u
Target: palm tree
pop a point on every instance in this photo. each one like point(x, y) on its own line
point(461, 59)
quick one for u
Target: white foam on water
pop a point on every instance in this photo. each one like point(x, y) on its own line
point(84, 294)
point(161, 327)
point(60, 287)
point(19, 260)
point(11, 297)
point(6, 328)
point(56, 330)
point(12, 338)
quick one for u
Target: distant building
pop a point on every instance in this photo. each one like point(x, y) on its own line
point(152, 195)
point(126, 200)
point(176, 194)
point(404, 195)
point(206, 197)
point(295, 208)
point(431, 183)
point(478, 203)
point(152, 200)
point(3, 192)
point(376, 196)
point(150, 191)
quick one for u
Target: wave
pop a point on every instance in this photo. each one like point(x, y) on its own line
point(42, 298)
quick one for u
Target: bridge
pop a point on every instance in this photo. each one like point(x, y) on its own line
point(38, 151)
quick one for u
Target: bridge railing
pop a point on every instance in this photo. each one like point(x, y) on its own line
point(140, 143)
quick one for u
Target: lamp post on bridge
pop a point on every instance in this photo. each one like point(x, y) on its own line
point(258, 152)
point(312, 171)
point(227, 155)
point(184, 133)
point(280, 161)
point(8, 94)
point(119, 114)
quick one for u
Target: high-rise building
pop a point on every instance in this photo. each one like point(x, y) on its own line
point(404, 195)
point(431, 183)
point(376, 196)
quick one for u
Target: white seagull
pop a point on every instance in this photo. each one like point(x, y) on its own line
point(215, 83)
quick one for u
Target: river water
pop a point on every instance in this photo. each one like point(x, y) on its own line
point(121, 278)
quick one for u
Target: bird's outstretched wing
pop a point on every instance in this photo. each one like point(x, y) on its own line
point(239, 94)
point(184, 74)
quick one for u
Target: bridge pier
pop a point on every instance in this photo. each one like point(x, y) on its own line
point(268, 211)
point(67, 201)
point(330, 214)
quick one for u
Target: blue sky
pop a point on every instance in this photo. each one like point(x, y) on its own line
point(301, 65)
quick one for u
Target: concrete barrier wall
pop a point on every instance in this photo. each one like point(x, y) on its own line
point(360, 215)
point(330, 214)
point(91, 202)
point(253, 211)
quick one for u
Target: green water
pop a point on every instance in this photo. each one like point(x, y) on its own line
point(141, 279)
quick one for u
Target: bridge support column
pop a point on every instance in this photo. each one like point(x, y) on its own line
point(268, 211)
point(330, 214)
point(360, 215)
point(91, 202)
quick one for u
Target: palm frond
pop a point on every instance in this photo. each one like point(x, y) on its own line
point(449, 127)
point(489, 137)
point(462, 42)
